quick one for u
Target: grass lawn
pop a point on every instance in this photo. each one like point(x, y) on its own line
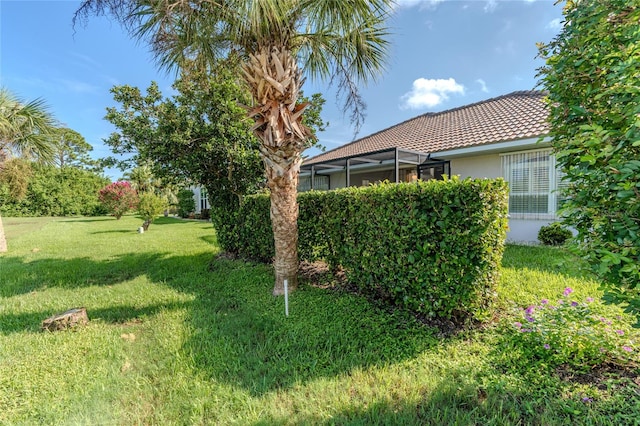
point(176, 339)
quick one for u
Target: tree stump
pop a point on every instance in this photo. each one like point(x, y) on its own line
point(68, 319)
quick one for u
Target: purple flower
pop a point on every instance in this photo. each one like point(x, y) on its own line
point(529, 318)
point(544, 301)
point(589, 299)
point(530, 310)
point(620, 332)
point(574, 304)
point(547, 346)
point(586, 399)
point(567, 291)
point(517, 324)
point(627, 348)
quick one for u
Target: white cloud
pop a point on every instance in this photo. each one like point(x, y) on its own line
point(490, 6)
point(77, 86)
point(555, 25)
point(422, 3)
point(483, 85)
point(428, 93)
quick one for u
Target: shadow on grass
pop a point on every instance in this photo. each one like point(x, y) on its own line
point(238, 332)
point(119, 314)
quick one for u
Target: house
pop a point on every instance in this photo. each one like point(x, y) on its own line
point(499, 137)
point(201, 198)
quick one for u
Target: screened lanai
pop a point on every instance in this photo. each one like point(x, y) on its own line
point(392, 164)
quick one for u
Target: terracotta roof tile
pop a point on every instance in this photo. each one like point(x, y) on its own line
point(517, 115)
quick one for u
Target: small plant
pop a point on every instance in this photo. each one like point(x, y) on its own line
point(574, 333)
point(186, 203)
point(118, 198)
point(149, 207)
point(554, 234)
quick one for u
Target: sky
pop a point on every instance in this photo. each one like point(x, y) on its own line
point(443, 54)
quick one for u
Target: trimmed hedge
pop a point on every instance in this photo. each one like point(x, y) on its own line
point(430, 247)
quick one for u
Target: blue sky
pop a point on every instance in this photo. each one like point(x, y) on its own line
point(444, 54)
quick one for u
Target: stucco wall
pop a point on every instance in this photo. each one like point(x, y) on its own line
point(482, 166)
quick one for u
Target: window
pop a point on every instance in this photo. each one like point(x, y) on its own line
point(320, 183)
point(533, 181)
point(204, 199)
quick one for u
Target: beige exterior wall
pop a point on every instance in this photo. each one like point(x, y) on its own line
point(483, 166)
point(490, 166)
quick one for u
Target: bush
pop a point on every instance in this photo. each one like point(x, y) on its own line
point(53, 191)
point(575, 334)
point(118, 198)
point(186, 203)
point(554, 234)
point(591, 76)
point(433, 247)
point(149, 207)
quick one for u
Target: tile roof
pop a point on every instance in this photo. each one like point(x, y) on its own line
point(514, 116)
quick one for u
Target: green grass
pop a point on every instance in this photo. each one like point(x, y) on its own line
point(173, 340)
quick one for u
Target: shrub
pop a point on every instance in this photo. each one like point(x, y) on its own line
point(591, 76)
point(554, 234)
point(575, 334)
point(54, 191)
point(186, 203)
point(150, 206)
point(118, 198)
point(433, 247)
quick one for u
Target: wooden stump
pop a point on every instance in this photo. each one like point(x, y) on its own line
point(69, 319)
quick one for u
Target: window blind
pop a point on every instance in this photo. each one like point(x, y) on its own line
point(532, 179)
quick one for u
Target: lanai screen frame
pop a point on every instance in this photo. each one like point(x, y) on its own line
point(388, 156)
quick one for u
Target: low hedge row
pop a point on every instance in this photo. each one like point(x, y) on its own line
point(431, 247)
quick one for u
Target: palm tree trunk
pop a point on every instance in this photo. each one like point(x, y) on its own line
point(274, 79)
point(284, 222)
point(3, 238)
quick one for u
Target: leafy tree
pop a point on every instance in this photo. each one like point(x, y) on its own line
point(150, 206)
point(274, 41)
point(53, 191)
point(118, 198)
point(24, 131)
point(200, 135)
point(592, 72)
point(71, 149)
point(186, 203)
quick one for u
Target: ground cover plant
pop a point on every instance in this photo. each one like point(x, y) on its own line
point(178, 338)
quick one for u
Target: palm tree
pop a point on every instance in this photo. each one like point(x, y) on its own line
point(275, 40)
point(25, 128)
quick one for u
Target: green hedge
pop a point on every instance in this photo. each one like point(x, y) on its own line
point(433, 247)
point(53, 191)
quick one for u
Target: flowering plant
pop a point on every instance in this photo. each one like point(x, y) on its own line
point(118, 198)
point(574, 333)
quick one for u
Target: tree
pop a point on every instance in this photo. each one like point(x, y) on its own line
point(71, 149)
point(200, 135)
point(149, 207)
point(118, 198)
point(591, 73)
point(24, 131)
point(274, 41)
point(53, 191)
